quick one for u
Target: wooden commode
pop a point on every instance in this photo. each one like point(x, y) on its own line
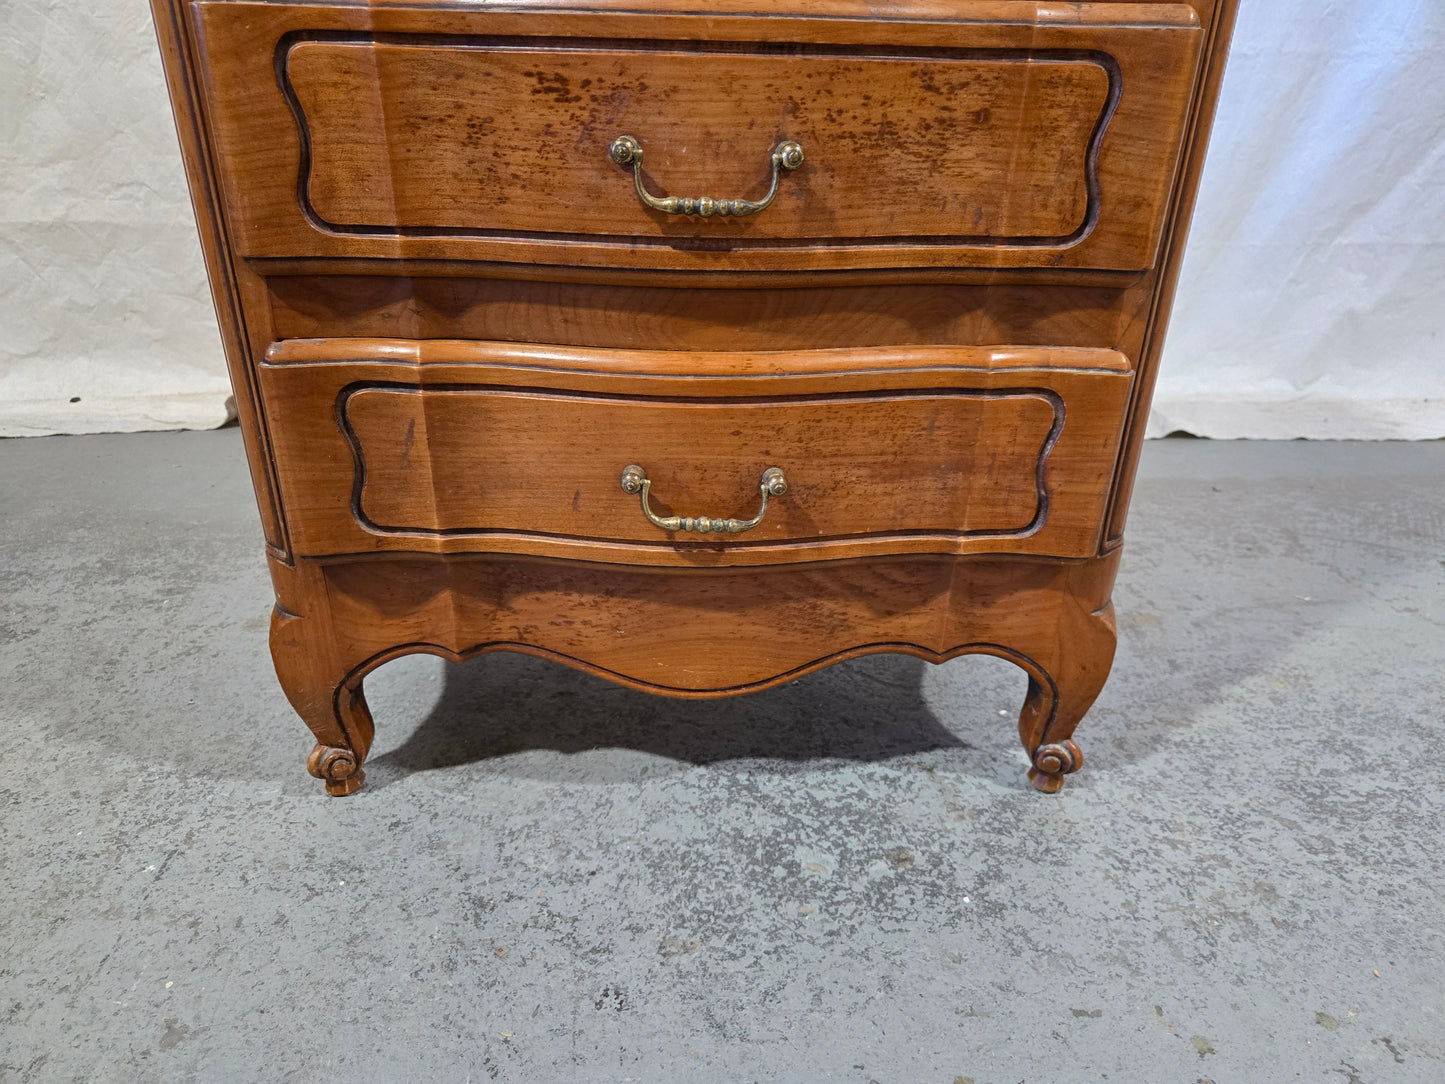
point(691, 347)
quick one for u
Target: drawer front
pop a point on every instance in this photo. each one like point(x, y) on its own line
point(992, 141)
point(449, 447)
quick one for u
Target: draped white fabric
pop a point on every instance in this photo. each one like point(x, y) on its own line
point(1309, 304)
point(105, 318)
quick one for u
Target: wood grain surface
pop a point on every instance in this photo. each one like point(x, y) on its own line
point(896, 147)
point(440, 302)
point(997, 138)
point(455, 447)
point(449, 306)
point(695, 633)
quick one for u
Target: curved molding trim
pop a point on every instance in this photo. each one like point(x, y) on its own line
point(366, 521)
point(1028, 665)
point(1097, 58)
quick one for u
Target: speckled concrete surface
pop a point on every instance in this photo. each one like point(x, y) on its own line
point(548, 878)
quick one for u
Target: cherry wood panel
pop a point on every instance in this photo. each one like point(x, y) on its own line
point(1220, 28)
point(502, 461)
point(901, 147)
point(238, 312)
point(1004, 136)
point(660, 318)
point(677, 311)
point(453, 447)
point(683, 371)
point(695, 278)
point(693, 633)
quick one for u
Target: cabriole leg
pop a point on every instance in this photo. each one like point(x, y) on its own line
point(1069, 669)
point(323, 686)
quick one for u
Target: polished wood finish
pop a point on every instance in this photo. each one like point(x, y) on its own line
point(461, 122)
point(450, 447)
point(450, 324)
point(442, 133)
point(692, 633)
point(431, 306)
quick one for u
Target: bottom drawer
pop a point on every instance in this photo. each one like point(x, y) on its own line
point(450, 446)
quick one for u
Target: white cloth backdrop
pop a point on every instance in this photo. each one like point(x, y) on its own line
point(1310, 303)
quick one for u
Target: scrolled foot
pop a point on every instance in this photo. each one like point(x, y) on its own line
point(1054, 761)
point(337, 768)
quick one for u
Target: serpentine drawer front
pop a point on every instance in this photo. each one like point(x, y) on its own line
point(694, 348)
point(1049, 141)
point(447, 446)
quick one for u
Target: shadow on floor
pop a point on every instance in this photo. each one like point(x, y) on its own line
point(870, 709)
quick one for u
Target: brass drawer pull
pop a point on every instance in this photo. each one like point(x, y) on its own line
point(625, 150)
point(635, 480)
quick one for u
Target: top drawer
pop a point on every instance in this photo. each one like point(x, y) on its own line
point(993, 134)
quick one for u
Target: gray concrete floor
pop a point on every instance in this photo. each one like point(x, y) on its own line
point(550, 878)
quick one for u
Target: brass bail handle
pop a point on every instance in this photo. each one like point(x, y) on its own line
point(635, 480)
point(627, 151)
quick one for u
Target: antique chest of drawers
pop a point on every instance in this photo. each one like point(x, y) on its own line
point(694, 347)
